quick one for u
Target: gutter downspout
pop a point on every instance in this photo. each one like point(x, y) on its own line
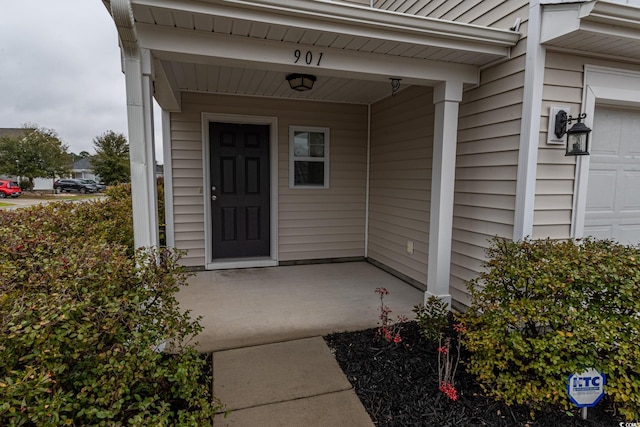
point(367, 189)
point(137, 66)
point(168, 179)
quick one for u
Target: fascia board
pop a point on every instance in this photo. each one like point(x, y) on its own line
point(349, 19)
point(597, 17)
point(175, 44)
point(559, 20)
point(610, 13)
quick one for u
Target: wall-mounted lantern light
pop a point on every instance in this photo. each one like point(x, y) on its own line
point(301, 82)
point(577, 136)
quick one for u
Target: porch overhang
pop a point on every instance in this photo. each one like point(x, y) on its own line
point(248, 47)
point(601, 28)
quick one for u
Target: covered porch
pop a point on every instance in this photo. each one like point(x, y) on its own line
point(390, 176)
point(255, 306)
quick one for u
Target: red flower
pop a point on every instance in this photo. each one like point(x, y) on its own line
point(397, 339)
point(382, 291)
point(443, 350)
point(449, 390)
point(459, 328)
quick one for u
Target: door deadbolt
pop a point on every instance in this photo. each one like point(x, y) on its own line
point(214, 197)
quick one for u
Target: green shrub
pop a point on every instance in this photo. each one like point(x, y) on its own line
point(161, 207)
point(432, 318)
point(107, 220)
point(25, 184)
point(545, 309)
point(81, 320)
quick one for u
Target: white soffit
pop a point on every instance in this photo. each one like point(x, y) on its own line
point(247, 47)
point(596, 28)
point(315, 19)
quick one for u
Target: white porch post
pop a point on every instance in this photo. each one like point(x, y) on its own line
point(446, 97)
point(138, 78)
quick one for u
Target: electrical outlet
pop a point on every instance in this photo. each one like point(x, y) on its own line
point(410, 247)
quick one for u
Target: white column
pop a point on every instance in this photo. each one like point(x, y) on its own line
point(138, 78)
point(446, 97)
point(530, 127)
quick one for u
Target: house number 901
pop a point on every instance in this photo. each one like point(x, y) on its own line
point(306, 57)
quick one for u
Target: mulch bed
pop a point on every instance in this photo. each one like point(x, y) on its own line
point(398, 386)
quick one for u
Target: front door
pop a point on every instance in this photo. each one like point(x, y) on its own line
point(240, 199)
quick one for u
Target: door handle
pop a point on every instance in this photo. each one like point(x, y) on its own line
point(214, 197)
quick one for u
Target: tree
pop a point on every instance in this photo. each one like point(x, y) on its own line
point(80, 156)
point(111, 161)
point(37, 153)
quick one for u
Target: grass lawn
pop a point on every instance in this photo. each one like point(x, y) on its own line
point(29, 199)
point(67, 196)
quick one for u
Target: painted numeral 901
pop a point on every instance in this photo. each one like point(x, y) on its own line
point(307, 57)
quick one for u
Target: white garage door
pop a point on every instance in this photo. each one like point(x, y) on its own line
point(613, 195)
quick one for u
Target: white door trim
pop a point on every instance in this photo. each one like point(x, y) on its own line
point(602, 85)
point(272, 260)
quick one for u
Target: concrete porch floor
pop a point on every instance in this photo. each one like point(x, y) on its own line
point(248, 307)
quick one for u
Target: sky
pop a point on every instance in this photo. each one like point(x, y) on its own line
point(60, 69)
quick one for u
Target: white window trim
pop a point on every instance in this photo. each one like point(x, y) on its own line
point(602, 85)
point(292, 158)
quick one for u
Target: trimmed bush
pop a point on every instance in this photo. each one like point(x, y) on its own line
point(81, 319)
point(545, 309)
point(25, 184)
point(432, 318)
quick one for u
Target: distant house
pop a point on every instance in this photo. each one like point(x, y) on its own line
point(39, 183)
point(83, 169)
point(11, 132)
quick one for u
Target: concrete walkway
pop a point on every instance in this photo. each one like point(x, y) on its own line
point(271, 366)
point(294, 383)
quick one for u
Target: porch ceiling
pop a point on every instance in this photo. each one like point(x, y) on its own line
point(269, 83)
point(248, 47)
point(600, 28)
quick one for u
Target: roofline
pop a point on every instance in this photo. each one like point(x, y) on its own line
point(355, 16)
point(621, 15)
point(593, 17)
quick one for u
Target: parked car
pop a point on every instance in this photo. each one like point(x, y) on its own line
point(99, 185)
point(9, 188)
point(70, 185)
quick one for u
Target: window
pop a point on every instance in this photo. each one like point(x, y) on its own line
point(308, 157)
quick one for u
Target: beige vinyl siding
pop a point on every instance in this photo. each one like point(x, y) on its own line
point(312, 223)
point(186, 153)
point(487, 164)
point(488, 136)
point(563, 85)
point(400, 183)
point(488, 13)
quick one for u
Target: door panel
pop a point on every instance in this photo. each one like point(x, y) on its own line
point(240, 190)
point(613, 201)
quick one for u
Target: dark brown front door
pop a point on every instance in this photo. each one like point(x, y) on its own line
point(240, 190)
